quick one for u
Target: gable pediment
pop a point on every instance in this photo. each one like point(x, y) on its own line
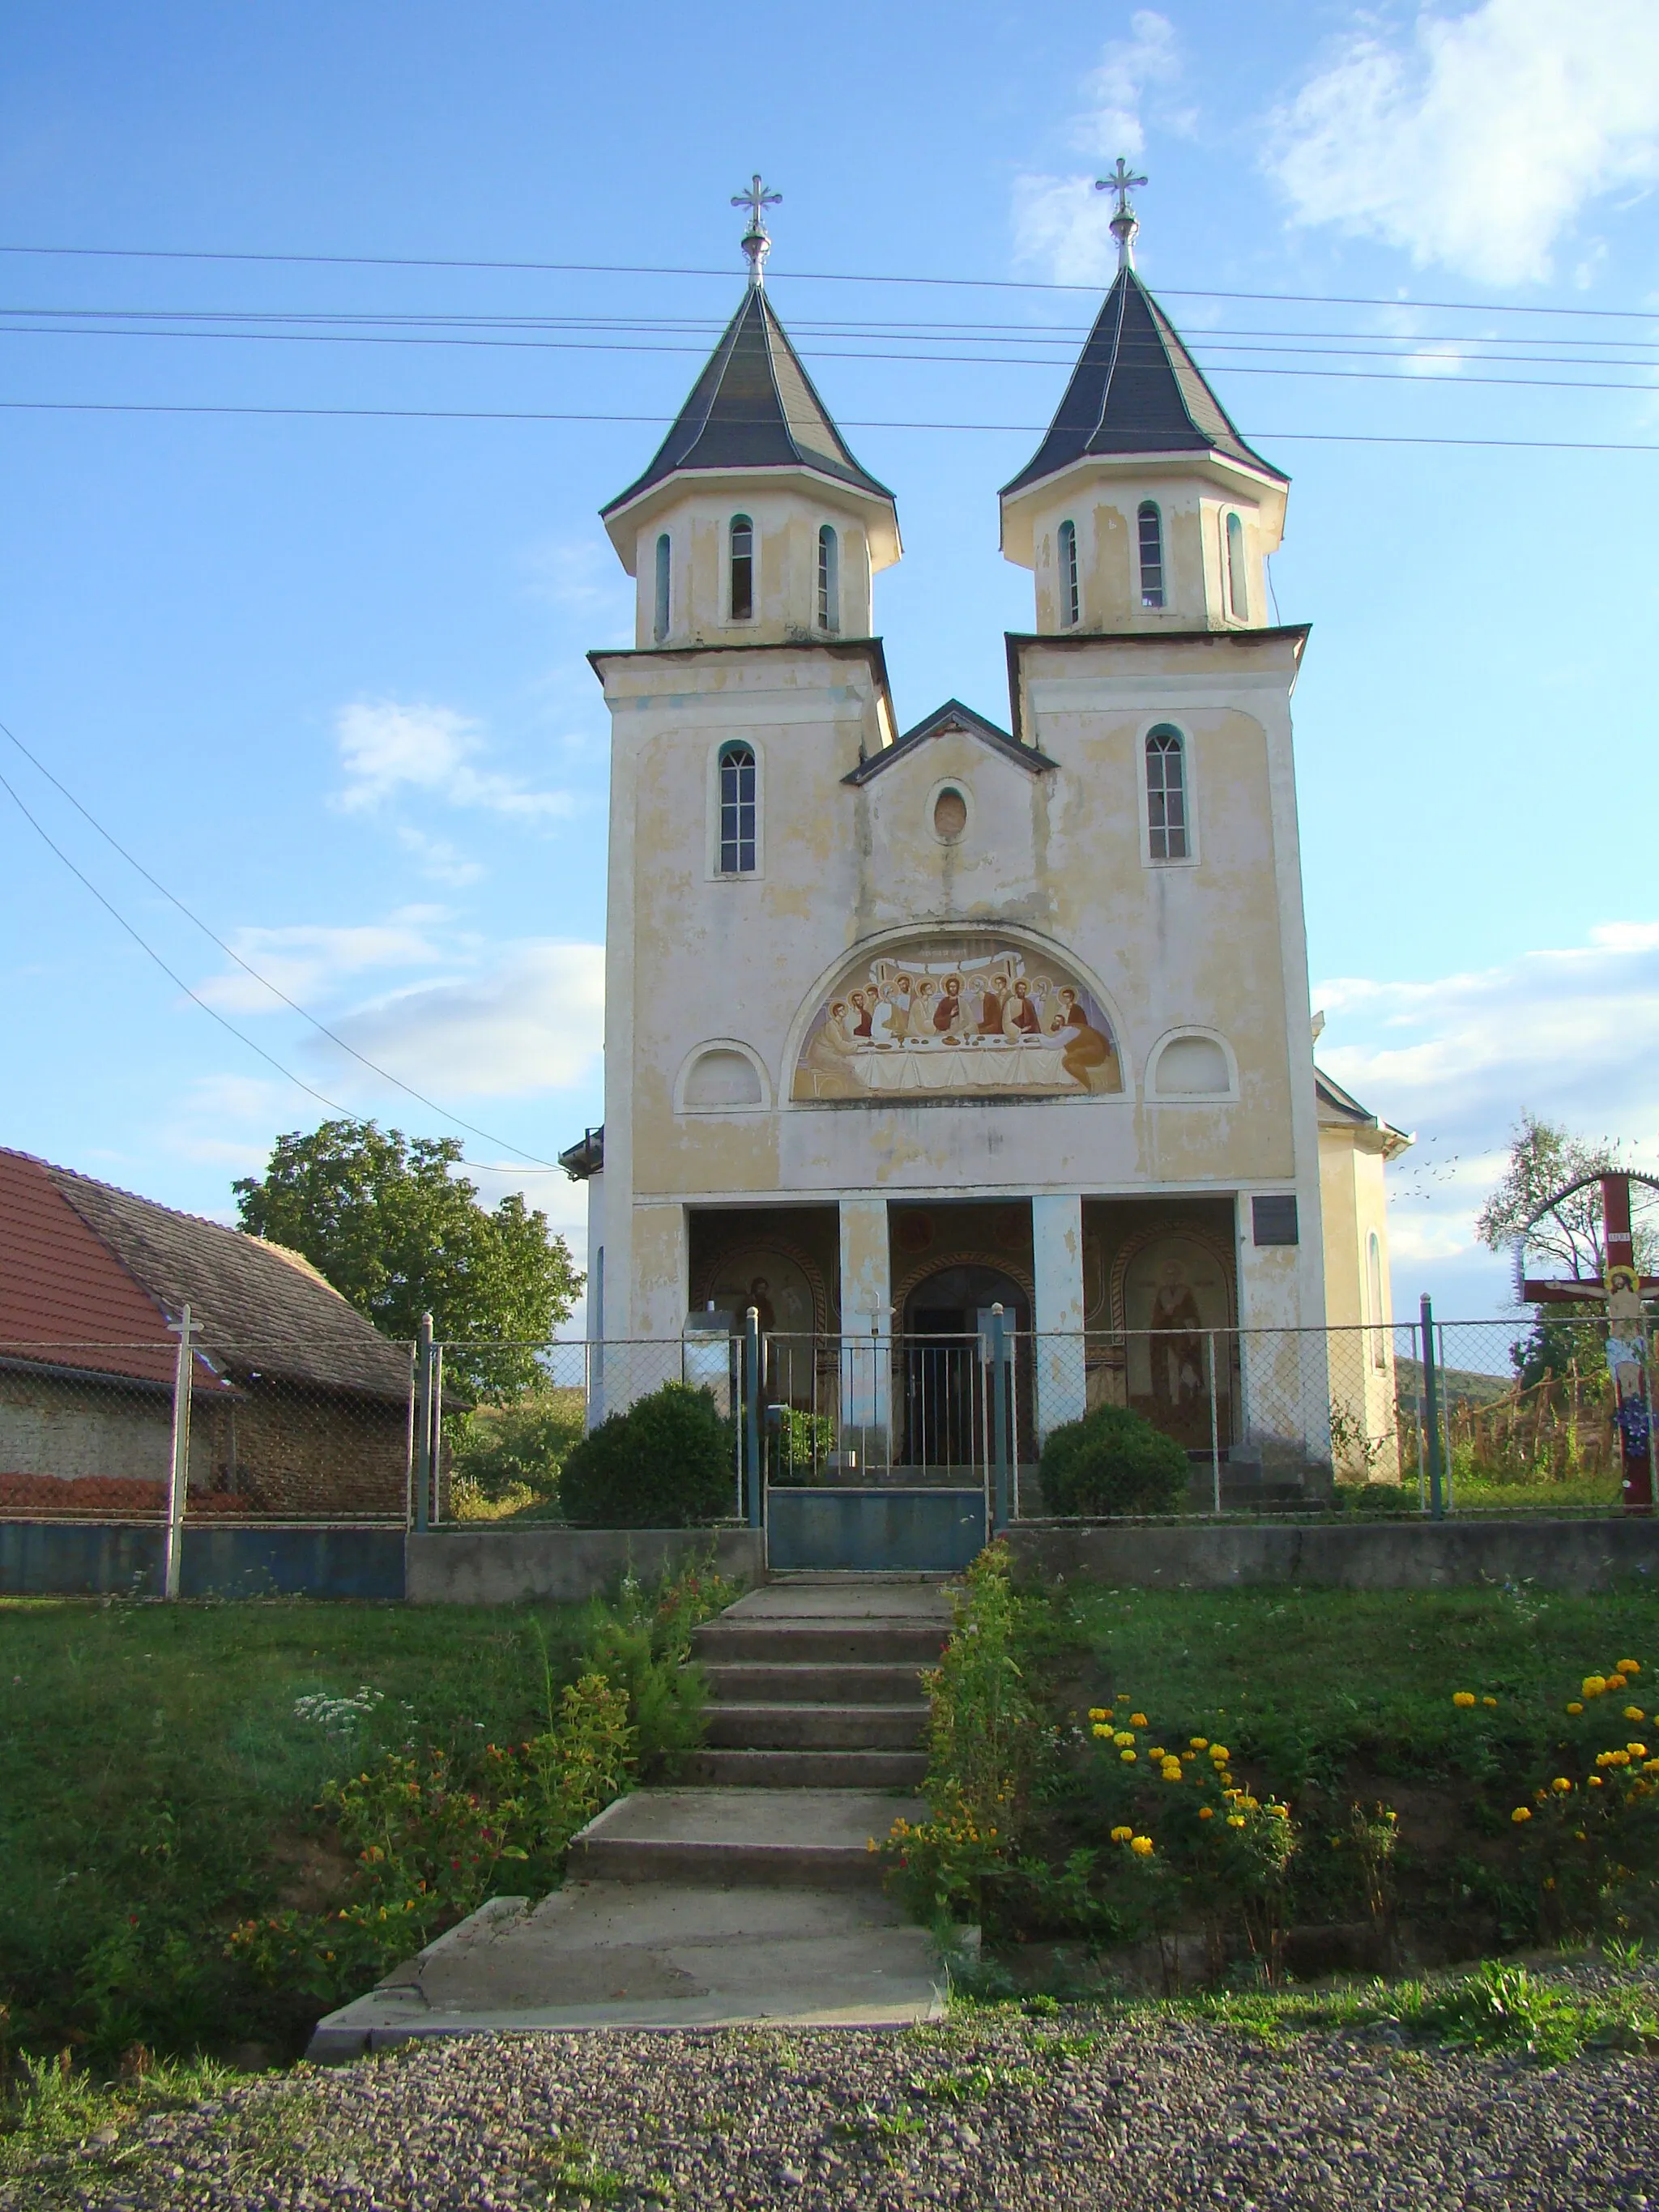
point(951, 720)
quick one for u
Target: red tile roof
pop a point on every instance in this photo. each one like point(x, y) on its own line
point(61, 1287)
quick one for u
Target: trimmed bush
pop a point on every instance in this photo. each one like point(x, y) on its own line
point(1112, 1461)
point(668, 1462)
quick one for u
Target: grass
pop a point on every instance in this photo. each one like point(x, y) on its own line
point(1306, 1680)
point(156, 1786)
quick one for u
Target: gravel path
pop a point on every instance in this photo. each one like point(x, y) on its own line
point(994, 2111)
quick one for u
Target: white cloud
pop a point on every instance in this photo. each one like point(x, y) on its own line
point(534, 1022)
point(307, 960)
point(1571, 1035)
point(1060, 223)
point(386, 748)
point(1477, 142)
point(440, 859)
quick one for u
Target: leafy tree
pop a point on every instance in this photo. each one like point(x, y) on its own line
point(384, 1218)
point(1544, 1158)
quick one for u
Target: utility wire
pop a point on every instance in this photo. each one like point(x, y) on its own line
point(172, 975)
point(799, 276)
point(528, 415)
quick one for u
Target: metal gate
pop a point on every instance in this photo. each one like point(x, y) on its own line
point(877, 1454)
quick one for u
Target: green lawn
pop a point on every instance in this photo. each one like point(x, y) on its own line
point(157, 1786)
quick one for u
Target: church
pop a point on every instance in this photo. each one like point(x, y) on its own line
point(903, 1023)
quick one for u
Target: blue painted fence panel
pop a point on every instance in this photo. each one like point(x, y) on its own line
point(921, 1531)
point(71, 1558)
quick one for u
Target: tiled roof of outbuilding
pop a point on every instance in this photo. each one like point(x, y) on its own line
point(753, 407)
point(81, 1260)
point(1135, 390)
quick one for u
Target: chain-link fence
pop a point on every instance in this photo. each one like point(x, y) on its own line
point(1526, 1416)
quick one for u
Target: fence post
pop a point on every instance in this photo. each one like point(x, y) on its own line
point(423, 1424)
point(752, 1421)
point(1431, 1412)
point(1000, 1413)
point(179, 1478)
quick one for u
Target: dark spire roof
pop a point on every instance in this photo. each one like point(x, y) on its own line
point(753, 407)
point(1135, 390)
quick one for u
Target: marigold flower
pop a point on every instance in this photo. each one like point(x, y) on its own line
point(1634, 1713)
point(1462, 1697)
point(1593, 1781)
point(1128, 1757)
point(1199, 1742)
point(1097, 1713)
point(1121, 1835)
point(1490, 1701)
point(1137, 1720)
point(1593, 1685)
point(1100, 1729)
point(1630, 1667)
point(1186, 1755)
point(1171, 1770)
point(1124, 1736)
point(1234, 1820)
point(1522, 1812)
point(1220, 1753)
point(1141, 1847)
point(1561, 1785)
point(1575, 1707)
point(1637, 1750)
point(1207, 1812)
point(1155, 1751)
point(1279, 1812)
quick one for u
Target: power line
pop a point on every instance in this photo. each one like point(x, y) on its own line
point(230, 951)
point(799, 276)
point(528, 415)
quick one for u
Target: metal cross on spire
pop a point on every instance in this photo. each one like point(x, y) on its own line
point(757, 244)
point(1125, 222)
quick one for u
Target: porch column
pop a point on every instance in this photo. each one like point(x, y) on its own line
point(866, 1330)
point(1057, 1315)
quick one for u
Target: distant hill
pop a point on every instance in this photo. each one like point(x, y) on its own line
point(1452, 1382)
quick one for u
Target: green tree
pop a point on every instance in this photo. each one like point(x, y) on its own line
point(397, 1232)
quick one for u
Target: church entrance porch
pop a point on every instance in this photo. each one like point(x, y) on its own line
point(1160, 1296)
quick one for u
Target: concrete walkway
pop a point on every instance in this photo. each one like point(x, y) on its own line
point(753, 1898)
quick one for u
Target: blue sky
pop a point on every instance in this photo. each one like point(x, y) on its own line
point(323, 677)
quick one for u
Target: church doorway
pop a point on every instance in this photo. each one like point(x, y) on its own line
point(941, 1399)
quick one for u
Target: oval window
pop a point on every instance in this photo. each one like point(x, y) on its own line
point(949, 815)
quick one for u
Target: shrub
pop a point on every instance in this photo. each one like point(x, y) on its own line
point(1112, 1461)
point(499, 1450)
point(665, 1463)
point(799, 1446)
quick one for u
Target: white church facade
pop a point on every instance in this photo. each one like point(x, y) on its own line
point(904, 1021)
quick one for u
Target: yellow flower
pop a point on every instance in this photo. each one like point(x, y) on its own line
point(1121, 1835)
point(1522, 1812)
point(1137, 1720)
point(1462, 1697)
point(1123, 1736)
point(1637, 1750)
point(1234, 1820)
point(1593, 1781)
point(1634, 1713)
point(1127, 1757)
point(1186, 1755)
point(1220, 1753)
point(1097, 1713)
point(1171, 1770)
point(1561, 1785)
point(1629, 1666)
point(1141, 1847)
point(1251, 1804)
point(1490, 1701)
point(1199, 1742)
point(1207, 1812)
point(1651, 1766)
point(1279, 1812)
point(1156, 1751)
point(1099, 1729)
point(1593, 1685)
point(1575, 1707)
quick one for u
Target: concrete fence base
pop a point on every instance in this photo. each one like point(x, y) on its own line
point(119, 1559)
point(561, 1566)
point(1580, 1556)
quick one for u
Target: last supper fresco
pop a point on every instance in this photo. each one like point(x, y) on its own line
point(941, 1018)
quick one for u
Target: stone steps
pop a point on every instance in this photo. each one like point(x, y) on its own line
point(745, 1768)
point(817, 1643)
point(731, 1836)
point(777, 1681)
point(776, 1726)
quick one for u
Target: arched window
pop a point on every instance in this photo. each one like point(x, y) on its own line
point(829, 580)
point(1166, 795)
point(738, 809)
point(1238, 597)
point(1150, 524)
point(1374, 1299)
point(1071, 605)
point(743, 568)
point(660, 623)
